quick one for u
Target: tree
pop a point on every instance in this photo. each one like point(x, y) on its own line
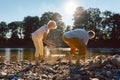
point(17, 30)
point(79, 18)
point(94, 18)
point(3, 30)
point(56, 16)
point(30, 25)
point(107, 14)
point(68, 28)
point(106, 27)
point(87, 19)
point(115, 22)
point(45, 18)
point(54, 35)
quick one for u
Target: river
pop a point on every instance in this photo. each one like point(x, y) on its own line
point(20, 54)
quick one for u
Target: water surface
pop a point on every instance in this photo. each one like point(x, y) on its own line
point(20, 54)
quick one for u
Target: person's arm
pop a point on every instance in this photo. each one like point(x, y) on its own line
point(46, 41)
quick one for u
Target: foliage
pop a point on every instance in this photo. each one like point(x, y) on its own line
point(54, 35)
point(30, 23)
point(17, 29)
point(106, 25)
point(3, 30)
point(115, 22)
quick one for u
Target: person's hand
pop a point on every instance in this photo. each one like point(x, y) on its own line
point(52, 45)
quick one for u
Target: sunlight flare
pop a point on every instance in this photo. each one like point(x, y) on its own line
point(70, 6)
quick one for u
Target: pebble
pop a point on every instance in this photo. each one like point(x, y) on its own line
point(44, 76)
point(3, 73)
point(94, 79)
point(98, 68)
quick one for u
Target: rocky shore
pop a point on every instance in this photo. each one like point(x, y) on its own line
point(95, 68)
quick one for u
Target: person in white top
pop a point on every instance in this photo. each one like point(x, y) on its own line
point(39, 36)
point(77, 38)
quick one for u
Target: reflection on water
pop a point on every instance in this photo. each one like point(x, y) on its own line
point(16, 54)
point(20, 54)
point(47, 51)
point(7, 54)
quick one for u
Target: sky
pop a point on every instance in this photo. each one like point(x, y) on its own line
point(16, 10)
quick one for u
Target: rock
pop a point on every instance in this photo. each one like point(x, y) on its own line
point(94, 79)
point(100, 67)
point(98, 74)
point(3, 73)
point(76, 76)
point(44, 76)
point(50, 77)
point(98, 61)
point(33, 63)
point(54, 77)
point(1, 63)
point(108, 65)
point(116, 77)
point(108, 73)
point(11, 77)
point(51, 70)
point(116, 59)
point(55, 66)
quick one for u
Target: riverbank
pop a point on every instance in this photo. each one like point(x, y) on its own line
point(95, 68)
point(29, 44)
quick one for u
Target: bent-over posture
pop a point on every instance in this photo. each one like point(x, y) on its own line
point(39, 36)
point(77, 38)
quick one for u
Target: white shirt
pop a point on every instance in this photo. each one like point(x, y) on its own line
point(39, 32)
point(81, 34)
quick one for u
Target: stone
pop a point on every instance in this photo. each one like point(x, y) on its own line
point(94, 79)
point(44, 76)
point(116, 59)
point(3, 73)
point(108, 73)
